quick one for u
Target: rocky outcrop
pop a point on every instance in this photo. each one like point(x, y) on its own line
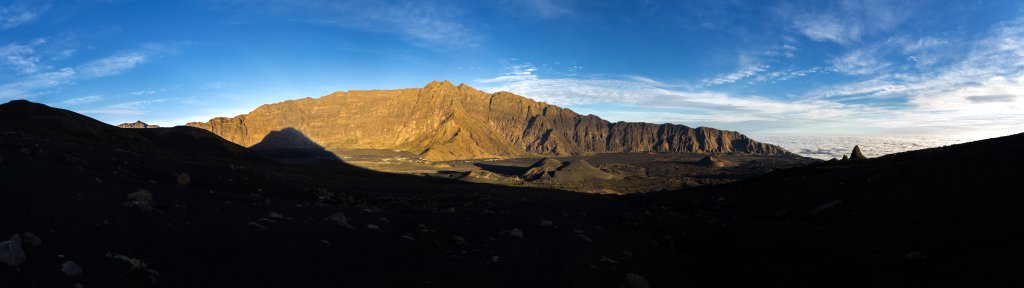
point(446, 122)
point(856, 154)
point(137, 125)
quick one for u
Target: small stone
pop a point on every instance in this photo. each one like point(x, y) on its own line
point(275, 215)
point(459, 240)
point(546, 223)
point(407, 237)
point(79, 285)
point(141, 199)
point(627, 253)
point(340, 219)
point(634, 281)
point(372, 227)
point(257, 225)
point(71, 268)
point(184, 179)
point(495, 259)
point(514, 232)
point(914, 256)
point(384, 219)
point(826, 206)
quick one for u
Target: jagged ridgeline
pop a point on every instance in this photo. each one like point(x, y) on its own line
point(446, 122)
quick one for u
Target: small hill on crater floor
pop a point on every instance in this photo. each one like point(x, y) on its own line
point(543, 168)
point(711, 161)
point(575, 171)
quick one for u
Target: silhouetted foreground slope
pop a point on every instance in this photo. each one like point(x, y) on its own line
point(937, 217)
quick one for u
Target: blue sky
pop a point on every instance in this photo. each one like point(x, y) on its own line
point(865, 67)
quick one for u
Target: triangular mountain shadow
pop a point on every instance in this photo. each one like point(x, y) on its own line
point(292, 146)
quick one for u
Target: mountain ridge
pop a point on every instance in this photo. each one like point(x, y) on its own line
point(442, 121)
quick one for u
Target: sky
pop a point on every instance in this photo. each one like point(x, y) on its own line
point(857, 67)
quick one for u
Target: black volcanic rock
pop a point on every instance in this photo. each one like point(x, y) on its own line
point(856, 154)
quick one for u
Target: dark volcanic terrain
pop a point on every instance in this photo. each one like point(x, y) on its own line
point(182, 207)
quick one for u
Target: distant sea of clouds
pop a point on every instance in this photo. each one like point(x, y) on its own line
point(829, 146)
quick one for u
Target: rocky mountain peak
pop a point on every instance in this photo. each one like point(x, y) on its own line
point(856, 154)
point(442, 121)
point(137, 125)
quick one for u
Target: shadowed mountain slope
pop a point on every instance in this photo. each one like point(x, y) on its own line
point(942, 217)
point(446, 122)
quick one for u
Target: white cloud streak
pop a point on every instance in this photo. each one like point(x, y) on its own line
point(83, 100)
point(37, 84)
point(34, 77)
point(424, 23)
point(849, 21)
point(743, 73)
point(111, 65)
point(21, 12)
point(126, 108)
point(20, 58)
point(982, 94)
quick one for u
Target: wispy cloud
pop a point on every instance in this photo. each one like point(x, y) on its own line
point(125, 108)
point(424, 23)
point(827, 28)
point(979, 92)
point(859, 62)
point(111, 65)
point(36, 84)
point(520, 72)
point(83, 100)
point(848, 21)
point(982, 93)
point(743, 73)
point(35, 77)
point(20, 58)
point(541, 8)
point(644, 94)
point(20, 12)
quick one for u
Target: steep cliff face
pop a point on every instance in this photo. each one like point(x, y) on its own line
point(446, 122)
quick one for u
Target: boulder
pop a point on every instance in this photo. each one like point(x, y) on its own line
point(11, 253)
point(71, 268)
